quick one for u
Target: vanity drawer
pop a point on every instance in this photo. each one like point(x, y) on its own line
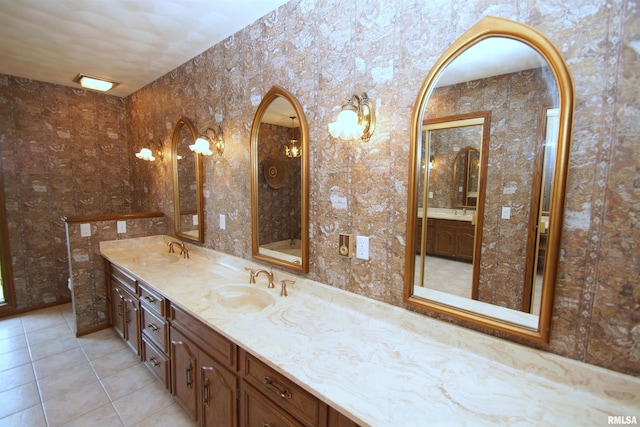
point(258, 411)
point(219, 347)
point(155, 328)
point(152, 299)
point(123, 278)
point(305, 407)
point(157, 362)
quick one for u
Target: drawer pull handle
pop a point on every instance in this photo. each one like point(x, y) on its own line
point(266, 425)
point(153, 361)
point(190, 376)
point(153, 327)
point(283, 392)
point(149, 298)
point(206, 392)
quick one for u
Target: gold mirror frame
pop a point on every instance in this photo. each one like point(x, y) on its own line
point(274, 93)
point(498, 27)
point(175, 140)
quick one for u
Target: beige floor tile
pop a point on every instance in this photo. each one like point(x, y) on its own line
point(114, 362)
point(30, 417)
point(14, 358)
point(104, 416)
point(169, 416)
point(12, 343)
point(44, 318)
point(53, 364)
point(101, 343)
point(75, 403)
point(15, 377)
point(43, 336)
point(143, 403)
point(53, 346)
point(66, 380)
point(127, 380)
point(18, 399)
point(11, 327)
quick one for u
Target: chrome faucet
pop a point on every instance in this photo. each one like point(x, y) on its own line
point(255, 273)
point(184, 251)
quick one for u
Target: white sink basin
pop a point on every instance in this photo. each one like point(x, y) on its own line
point(241, 298)
point(157, 258)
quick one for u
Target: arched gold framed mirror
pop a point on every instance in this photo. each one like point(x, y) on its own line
point(187, 183)
point(523, 100)
point(279, 181)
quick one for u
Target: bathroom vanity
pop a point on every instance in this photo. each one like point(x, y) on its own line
point(239, 354)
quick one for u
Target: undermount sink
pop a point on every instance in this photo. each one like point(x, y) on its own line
point(157, 258)
point(241, 298)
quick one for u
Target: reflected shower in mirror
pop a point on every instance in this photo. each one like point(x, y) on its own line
point(485, 218)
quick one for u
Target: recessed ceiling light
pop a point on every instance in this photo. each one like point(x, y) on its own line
point(94, 83)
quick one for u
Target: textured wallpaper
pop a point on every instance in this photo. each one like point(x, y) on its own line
point(324, 51)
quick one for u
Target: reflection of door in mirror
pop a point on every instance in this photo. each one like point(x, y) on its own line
point(453, 143)
point(187, 185)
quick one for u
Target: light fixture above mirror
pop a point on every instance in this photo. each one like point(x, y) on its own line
point(355, 120)
point(203, 144)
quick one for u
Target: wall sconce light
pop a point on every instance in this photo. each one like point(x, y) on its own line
point(292, 149)
point(94, 83)
point(204, 142)
point(355, 121)
point(147, 154)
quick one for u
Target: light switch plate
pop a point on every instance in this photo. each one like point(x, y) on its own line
point(223, 222)
point(122, 226)
point(85, 230)
point(195, 219)
point(506, 212)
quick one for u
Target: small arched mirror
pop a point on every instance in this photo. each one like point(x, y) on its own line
point(187, 183)
point(493, 122)
point(279, 181)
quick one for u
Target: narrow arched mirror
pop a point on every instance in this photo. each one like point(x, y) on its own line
point(489, 155)
point(279, 181)
point(187, 183)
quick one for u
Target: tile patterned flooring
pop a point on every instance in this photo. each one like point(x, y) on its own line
point(48, 377)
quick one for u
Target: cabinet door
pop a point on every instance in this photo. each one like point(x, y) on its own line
point(336, 419)
point(184, 360)
point(117, 307)
point(132, 322)
point(444, 241)
point(219, 391)
point(464, 244)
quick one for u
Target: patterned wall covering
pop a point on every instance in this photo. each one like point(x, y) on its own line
point(64, 153)
point(322, 52)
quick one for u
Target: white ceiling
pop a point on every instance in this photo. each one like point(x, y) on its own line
point(132, 42)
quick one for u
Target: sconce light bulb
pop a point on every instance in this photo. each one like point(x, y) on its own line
point(347, 125)
point(145, 154)
point(201, 146)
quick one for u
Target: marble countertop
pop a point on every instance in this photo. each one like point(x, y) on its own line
point(380, 364)
point(451, 214)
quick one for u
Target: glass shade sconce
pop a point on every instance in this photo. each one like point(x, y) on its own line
point(356, 120)
point(94, 83)
point(292, 148)
point(205, 141)
point(147, 154)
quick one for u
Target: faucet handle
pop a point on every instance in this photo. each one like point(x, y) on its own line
point(184, 251)
point(170, 244)
point(252, 275)
point(283, 291)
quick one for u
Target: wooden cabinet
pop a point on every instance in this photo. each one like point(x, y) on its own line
point(448, 238)
point(124, 306)
point(203, 371)
point(336, 419)
point(305, 408)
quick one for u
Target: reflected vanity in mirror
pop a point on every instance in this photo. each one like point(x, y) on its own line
point(187, 183)
point(490, 142)
point(279, 181)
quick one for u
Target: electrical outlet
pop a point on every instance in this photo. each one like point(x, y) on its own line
point(194, 219)
point(122, 226)
point(223, 222)
point(362, 247)
point(345, 246)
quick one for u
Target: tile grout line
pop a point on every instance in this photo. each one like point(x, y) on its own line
point(33, 370)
